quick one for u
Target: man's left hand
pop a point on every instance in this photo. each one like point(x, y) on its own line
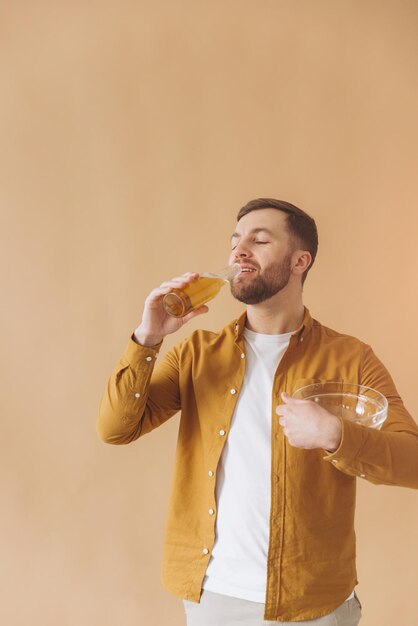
point(308, 425)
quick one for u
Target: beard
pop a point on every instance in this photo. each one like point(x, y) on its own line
point(273, 279)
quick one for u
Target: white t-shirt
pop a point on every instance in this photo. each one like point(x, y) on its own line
point(238, 566)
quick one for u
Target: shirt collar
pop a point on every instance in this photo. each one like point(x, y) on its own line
point(300, 332)
point(305, 326)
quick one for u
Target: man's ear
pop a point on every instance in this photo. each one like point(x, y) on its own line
point(302, 259)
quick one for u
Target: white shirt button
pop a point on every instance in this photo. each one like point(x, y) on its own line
point(334, 461)
point(137, 394)
point(211, 511)
point(242, 355)
point(210, 473)
point(301, 339)
point(222, 432)
point(233, 392)
point(362, 475)
point(148, 358)
point(205, 551)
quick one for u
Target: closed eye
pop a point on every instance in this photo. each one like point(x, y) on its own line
point(259, 243)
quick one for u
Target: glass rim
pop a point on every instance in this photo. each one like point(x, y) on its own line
point(342, 386)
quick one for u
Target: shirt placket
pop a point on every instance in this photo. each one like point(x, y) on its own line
point(278, 490)
point(221, 433)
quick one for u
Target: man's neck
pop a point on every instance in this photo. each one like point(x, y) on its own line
point(276, 315)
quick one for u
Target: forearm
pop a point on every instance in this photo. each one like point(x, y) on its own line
point(125, 398)
point(388, 458)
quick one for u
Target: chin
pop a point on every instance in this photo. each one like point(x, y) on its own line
point(246, 298)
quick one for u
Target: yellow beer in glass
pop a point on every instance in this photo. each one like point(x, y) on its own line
point(179, 302)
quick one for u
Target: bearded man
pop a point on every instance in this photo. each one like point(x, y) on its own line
point(261, 518)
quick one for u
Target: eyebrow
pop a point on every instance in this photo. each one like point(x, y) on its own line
point(254, 231)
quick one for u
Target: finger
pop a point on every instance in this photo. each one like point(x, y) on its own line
point(283, 409)
point(186, 278)
point(287, 432)
point(166, 287)
point(156, 294)
point(195, 313)
point(291, 400)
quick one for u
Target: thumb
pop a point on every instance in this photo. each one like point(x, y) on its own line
point(287, 399)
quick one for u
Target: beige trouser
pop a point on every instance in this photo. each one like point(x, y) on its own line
point(218, 610)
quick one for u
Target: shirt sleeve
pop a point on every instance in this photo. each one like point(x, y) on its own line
point(388, 456)
point(139, 395)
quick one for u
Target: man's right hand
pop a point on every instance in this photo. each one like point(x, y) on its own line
point(156, 322)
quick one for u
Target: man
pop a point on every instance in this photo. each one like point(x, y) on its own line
point(261, 518)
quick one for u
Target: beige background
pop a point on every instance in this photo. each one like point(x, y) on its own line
point(131, 133)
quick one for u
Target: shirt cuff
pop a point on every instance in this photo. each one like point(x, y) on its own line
point(352, 439)
point(135, 353)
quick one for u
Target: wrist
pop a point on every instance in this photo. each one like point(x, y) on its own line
point(335, 435)
point(146, 339)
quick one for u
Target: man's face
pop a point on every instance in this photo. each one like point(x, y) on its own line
point(261, 245)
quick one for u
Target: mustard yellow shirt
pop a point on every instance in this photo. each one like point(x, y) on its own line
point(311, 560)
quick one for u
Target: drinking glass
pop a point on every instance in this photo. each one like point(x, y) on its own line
point(179, 302)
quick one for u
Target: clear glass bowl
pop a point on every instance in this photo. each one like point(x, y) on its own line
point(355, 403)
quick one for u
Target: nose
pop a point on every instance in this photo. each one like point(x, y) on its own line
point(241, 251)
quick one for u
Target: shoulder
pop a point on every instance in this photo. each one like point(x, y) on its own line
point(209, 337)
point(330, 335)
point(204, 341)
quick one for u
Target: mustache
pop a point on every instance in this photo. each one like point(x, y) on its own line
point(248, 264)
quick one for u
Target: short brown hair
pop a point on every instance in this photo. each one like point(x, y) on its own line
point(300, 225)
